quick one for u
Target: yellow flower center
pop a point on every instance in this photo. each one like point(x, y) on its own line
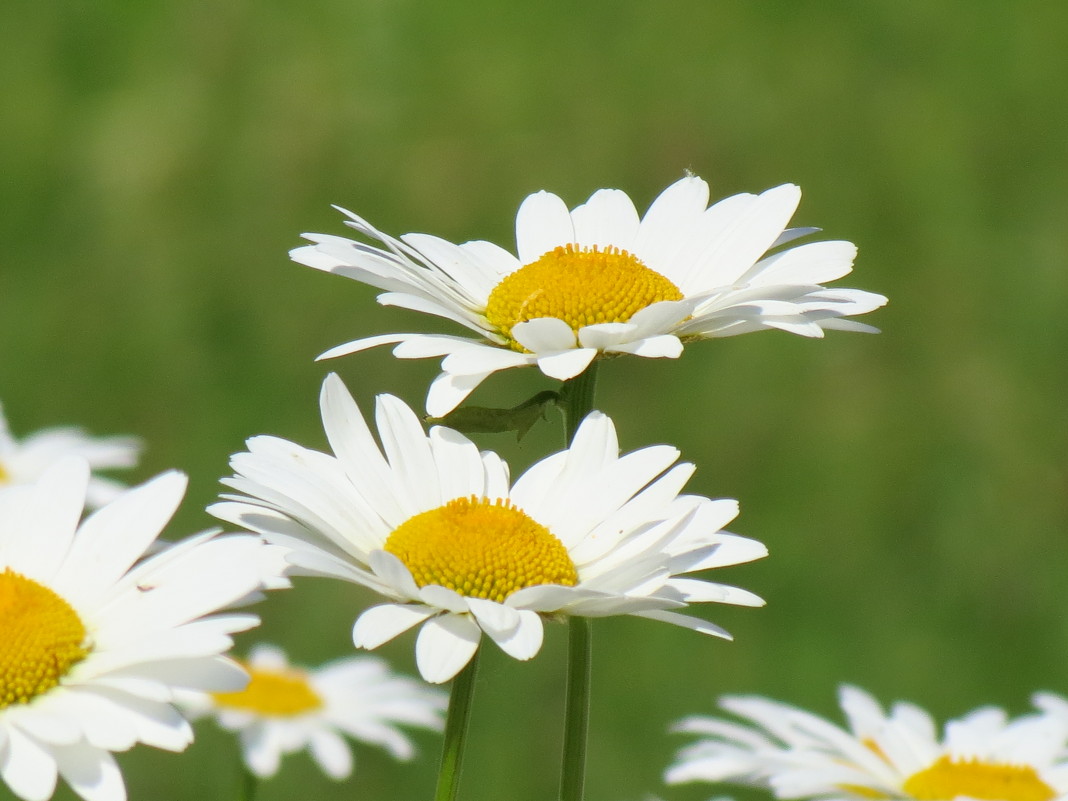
point(273, 693)
point(948, 778)
point(581, 286)
point(5, 476)
point(481, 549)
point(43, 638)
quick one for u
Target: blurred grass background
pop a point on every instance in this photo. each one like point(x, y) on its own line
point(157, 161)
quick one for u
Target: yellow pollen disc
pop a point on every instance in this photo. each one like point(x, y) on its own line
point(948, 778)
point(5, 476)
point(43, 638)
point(481, 549)
point(273, 693)
point(581, 286)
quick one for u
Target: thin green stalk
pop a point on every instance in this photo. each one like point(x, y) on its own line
point(577, 710)
point(452, 751)
point(249, 784)
point(578, 396)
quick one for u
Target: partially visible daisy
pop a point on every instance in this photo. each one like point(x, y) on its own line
point(599, 280)
point(23, 461)
point(438, 529)
point(94, 642)
point(901, 755)
point(285, 709)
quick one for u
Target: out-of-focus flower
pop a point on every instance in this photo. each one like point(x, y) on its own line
point(984, 755)
point(24, 461)
point(285, 709)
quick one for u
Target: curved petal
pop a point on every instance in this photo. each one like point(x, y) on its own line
point(541, 224)
point(380, 624)
point(445, 645)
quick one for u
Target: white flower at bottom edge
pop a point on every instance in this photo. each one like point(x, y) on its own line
point(95, 643)
point(23, 461)
point(432, 524)
point(285, 709)
point(983, 755)
point(597, 280)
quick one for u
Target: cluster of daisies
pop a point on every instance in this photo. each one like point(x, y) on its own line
point(114, 637)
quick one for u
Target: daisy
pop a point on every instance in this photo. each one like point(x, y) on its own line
point(983, 755)
point(22, 462)
point(95, 643)
point(436, 527)
point(285, 709)
point(600, 281)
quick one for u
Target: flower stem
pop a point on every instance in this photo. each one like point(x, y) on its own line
point(578, 395)
point(577, 710)
point(249, 784)
point(452, 752)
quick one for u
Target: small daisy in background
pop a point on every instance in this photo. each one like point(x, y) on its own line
point(438, 528)
point(984, 755)
point(23, 461)
point(96, 644)
point(285, 709)
point(600, 280)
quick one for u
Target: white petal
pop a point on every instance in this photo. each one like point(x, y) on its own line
point(331, 753)
point(686, 621)
point(262, 749)
point(51, 509)
point(542, 224)
point(414, 474)
point(495, 619)
point(567, 364)
point(363, 344)
point(449, 391)
point(91, 773)
point(114, 537)
point(525, 641)
point(669, 221)
point(445, 645)
point(544, 335)
point(608, 218)
point(380, 624)
point(659, 347)
point(27, 767)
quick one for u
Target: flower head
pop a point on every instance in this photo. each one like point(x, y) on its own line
point(22, 462)
point(96, 643)
point(598, 280)
point(984, 755)
point(438, 529)
point(285, 709)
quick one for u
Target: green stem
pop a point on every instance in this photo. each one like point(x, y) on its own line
point(452, 751)
point(577, 710)
point(578, 396)
point(249, 784)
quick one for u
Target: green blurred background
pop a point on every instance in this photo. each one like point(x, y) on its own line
point(157, 161)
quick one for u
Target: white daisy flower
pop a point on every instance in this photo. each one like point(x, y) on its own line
point(599, 280)
point(285, 709)
point(984, 755)
point(95, 643)
point(436, 527)
point(23, 462)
